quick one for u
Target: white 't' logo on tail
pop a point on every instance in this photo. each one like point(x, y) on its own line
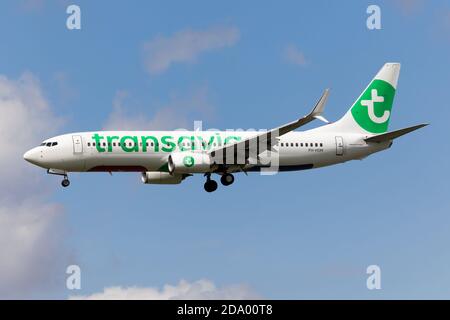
point(371, 110)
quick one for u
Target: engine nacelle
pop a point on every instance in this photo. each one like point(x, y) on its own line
point(151, 177)
point(189, 162)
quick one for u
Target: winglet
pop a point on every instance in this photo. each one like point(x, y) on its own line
point(321, 118)
point(316, 113)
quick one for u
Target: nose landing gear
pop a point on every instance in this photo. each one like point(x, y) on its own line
point(65, 183)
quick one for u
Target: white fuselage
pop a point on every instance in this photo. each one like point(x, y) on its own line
point(140, 151)
point(169, 157)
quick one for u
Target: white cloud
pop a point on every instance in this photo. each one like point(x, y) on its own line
point(26, 119)
point(30, 235)
point(293, 55)
point(175, 114)
point(185, 46)
point(201, 289)
point(29, 226)
point(409, 7)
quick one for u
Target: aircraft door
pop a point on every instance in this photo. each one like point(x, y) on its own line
point(77, 144)
point(339, 146)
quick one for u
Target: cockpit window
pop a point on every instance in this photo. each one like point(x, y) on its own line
point(49, 144)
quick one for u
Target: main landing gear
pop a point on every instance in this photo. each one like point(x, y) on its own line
point(227, 179)
point(211, 185)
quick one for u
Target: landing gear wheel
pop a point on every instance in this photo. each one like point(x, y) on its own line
point(227, 179)
point(65, 183)
point(210, 185)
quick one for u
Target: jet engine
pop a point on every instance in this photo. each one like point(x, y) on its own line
point(189, 162)
point(151, 177)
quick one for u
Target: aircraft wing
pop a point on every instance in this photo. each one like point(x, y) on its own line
point(265, 140)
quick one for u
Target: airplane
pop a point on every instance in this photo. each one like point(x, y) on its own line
point(169, 157)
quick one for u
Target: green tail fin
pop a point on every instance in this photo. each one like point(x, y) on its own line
point(371, 112)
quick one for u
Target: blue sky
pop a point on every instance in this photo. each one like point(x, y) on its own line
point(308, 234)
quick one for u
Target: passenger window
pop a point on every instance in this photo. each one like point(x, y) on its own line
point(282, 144)
point(104, 144)
point(317, 145)
point(296, 144)
point(93, 144)
point(301, 144)
point(292, 144)
point(321, 144)
point(89, 144)
point(114, 144)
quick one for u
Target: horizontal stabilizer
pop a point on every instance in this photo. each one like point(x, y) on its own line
point(394, 134)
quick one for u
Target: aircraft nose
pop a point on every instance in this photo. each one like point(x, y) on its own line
point(31, 156)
